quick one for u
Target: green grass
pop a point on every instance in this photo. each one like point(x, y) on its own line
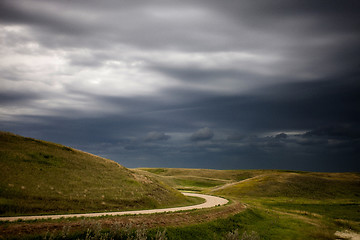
point(194, 182)
point(40, 177)
point(264, 224)
point(346, 211)
point(331, 200)
point(230, 175)
point(310, 205)
point(183, 182)
point(198, 179)
point(304, 185)
point(281, 204)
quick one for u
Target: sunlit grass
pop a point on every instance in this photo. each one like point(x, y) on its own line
point(301, 205)
point(39, 177)
point(280, 204)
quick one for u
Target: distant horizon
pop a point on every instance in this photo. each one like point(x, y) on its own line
point(231, 85)
point(199, 167)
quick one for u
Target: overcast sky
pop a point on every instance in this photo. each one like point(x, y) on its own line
point(196, 84)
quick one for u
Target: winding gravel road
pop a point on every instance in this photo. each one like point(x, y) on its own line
point(210, 201)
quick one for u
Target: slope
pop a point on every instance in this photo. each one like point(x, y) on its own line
point(299, 185)
point(333, 198)
point(40, 177)
point(199, 179)
point(281, 204)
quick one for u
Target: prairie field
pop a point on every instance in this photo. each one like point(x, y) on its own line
point(40, 177)
point(280, 204)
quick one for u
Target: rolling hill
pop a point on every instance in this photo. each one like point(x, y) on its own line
point(198, 179)
point(39, 177)
point(262, 183)
point(296, 185)
point(281, 204)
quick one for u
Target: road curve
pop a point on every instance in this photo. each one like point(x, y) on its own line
point(210, 201)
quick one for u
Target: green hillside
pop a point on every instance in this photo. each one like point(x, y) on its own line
point(299, 185)
point(205, 173)
point(280, 204)
point(274, 204)
point(39, 177)
point(262, 183)
point(199, 179)
point(329, 199)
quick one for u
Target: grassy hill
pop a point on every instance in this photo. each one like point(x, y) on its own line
point(39, 177)
point(262, 183)
point(199, 179)
point(330, 195)
point(280, 204)
point(297, 185)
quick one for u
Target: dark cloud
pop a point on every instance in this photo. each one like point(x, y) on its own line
point(19, 12)
point(312, 141)
point(287, 107)
point(14, 98)
point(202, 134)
point(190, 74)
point(300, 106)
point(235, 136)
point(277, 81)
point(281, 136)
point(338, 131)
point(156, 136)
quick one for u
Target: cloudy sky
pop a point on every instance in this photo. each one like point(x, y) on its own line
point(198, 84)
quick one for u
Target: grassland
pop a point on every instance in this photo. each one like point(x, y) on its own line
point(278, 204)
point(281, 204)
point(39, 177)
point(199, 179)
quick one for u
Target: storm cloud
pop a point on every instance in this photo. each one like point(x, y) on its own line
point(156, 136)
point(202, 134)
point(275, 82)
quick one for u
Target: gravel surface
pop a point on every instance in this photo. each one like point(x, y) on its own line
point(210, 201)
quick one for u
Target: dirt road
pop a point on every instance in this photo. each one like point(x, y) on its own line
point(210, 201)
